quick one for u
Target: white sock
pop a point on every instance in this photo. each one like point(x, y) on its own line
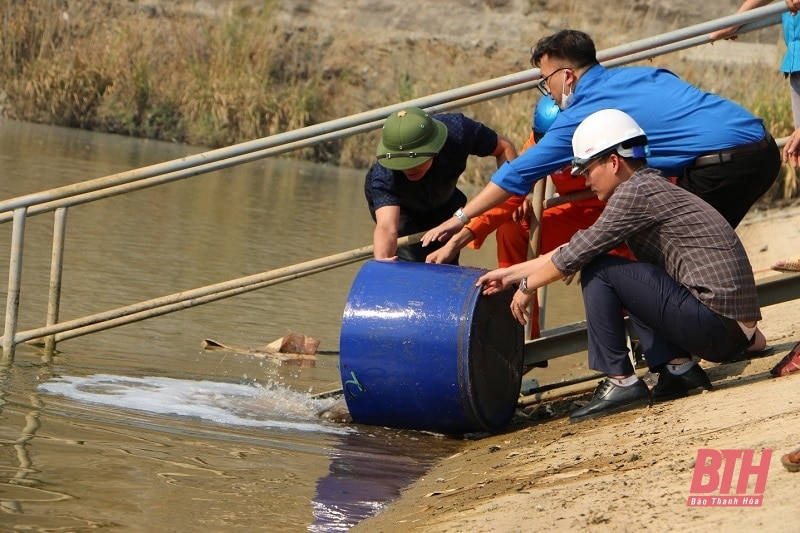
point(625, 382)
point(682, 368)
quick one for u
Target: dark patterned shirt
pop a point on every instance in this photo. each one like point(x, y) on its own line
point(465, 137)
point(670, 227)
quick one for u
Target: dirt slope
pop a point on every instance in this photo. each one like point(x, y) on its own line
point(632, 471)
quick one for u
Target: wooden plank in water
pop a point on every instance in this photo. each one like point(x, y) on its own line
point(271, 355)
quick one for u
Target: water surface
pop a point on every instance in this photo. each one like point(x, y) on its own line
point(139, 428)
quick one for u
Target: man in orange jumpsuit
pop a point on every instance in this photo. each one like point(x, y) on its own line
point(512, 219)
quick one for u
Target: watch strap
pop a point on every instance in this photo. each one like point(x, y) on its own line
point(523, 286)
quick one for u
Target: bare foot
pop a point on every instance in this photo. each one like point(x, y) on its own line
point(791, 461)
point(787, 265)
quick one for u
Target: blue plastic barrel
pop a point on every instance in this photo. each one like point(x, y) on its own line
point(422, 348)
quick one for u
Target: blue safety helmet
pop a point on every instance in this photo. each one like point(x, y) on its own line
point(544, 114)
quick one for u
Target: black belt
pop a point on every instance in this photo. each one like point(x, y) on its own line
point(726, 156)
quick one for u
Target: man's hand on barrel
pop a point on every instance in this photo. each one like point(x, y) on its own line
point(501, 279)
point(495, 281)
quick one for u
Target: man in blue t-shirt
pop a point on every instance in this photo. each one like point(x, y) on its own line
point(716, 148)
point(412, 188)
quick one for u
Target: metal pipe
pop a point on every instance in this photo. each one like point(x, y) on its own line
point(209, 293)
point(372, 119)
point(572, 339)
point(248, 151)
point(14, 282)
point(534, 237)
point(549, 190)
point(56, 270)
point(100, 322)
point(750, 20)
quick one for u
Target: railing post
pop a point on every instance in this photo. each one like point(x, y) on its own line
point(14, 281)
point(56, 269)
point(537, 202)
point(541, 294)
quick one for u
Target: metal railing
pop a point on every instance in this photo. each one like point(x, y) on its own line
point(59, 200)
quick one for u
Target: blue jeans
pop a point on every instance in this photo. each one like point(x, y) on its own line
point(669, 321)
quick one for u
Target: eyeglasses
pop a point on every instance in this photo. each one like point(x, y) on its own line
point(584, 172)
point(542, 83)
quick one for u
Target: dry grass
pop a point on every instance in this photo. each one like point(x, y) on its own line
point(215, 79)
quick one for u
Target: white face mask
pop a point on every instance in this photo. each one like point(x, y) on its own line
point(566, 99)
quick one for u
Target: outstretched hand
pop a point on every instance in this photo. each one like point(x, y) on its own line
point(494, 281)
point(498, 280)
point(725, 33)
point(521, 306)
point(523, 212)
point(791, 150)
point(443, 231)
point(442, 256)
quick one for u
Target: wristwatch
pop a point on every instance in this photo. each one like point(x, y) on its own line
point(460, 215)
point(523, 286)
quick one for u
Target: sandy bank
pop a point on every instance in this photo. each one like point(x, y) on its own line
point(630, 471)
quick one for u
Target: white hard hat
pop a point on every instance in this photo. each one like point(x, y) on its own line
point(606, 131)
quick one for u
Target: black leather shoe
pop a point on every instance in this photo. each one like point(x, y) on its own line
point(610, 398)
point(670, 386)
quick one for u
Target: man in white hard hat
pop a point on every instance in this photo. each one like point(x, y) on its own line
point(691, 292)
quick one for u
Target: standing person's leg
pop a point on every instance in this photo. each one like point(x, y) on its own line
point(512, 248)
point(732, 187)
point(794, 95)
point(512, 243)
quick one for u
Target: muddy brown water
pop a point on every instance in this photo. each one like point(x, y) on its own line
point(138, 428)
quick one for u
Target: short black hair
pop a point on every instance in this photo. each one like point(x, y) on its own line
point(573, 46)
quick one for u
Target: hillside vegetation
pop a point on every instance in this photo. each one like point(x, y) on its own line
point(213, 73)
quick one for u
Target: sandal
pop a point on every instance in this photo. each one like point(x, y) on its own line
point(787, 265)
point(747, 355)
point(790, 363)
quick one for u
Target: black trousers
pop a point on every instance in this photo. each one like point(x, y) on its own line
point(733, 187)
point(669, 321)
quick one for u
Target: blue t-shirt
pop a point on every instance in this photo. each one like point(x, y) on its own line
point(465, 137)
point(681, 121)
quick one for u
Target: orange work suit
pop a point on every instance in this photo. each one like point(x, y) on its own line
point(558, 225)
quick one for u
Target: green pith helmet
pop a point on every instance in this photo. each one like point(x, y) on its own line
point(410, 137)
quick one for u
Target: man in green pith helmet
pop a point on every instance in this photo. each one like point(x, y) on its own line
point(413, 187)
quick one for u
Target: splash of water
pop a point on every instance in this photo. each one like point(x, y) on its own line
point(230, 404)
